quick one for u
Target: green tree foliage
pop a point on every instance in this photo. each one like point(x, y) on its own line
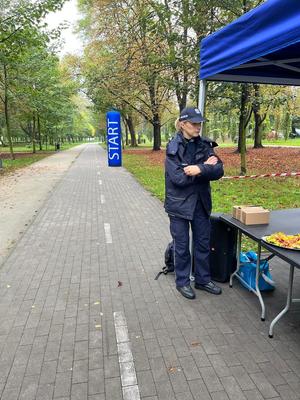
point(142, 57)
point(37, 92)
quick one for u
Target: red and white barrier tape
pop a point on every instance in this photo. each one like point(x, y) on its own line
point(263, 175)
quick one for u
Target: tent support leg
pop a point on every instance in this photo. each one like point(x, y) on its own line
point(202, 95)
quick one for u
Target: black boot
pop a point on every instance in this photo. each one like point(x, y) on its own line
point(209, 287)
point(186, 291)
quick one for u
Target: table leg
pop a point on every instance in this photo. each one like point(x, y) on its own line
point(288, 302)
point(238, 250)
point(263, 309)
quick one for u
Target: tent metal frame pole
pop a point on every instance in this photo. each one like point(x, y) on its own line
point(202, 95)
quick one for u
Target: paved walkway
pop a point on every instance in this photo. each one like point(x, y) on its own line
point(81, 316)
point(24, 192)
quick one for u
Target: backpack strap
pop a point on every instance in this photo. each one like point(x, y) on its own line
point(164, 271)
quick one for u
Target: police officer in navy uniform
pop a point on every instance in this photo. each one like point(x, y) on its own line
point(190, 165)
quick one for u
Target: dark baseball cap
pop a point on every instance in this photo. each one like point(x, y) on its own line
point(191, 114)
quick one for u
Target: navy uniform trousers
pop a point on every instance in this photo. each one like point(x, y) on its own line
point(180, 232)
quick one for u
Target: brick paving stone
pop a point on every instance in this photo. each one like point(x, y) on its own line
point(45, 392)
point(111, 367)
point(253, 394)
point(57, 332)
point(96, 381)
point(287, 393)
point(159, 369)
point(29, 388)
point(97, 397)
point(189, 368)
point(178, 380)
point(10, 394)
point(146, 384)
point(232, 388)
point(150, 398)
point(198, 388)
point(62, 384)
point(264, 386)
point(219, 396)
point(96, 359)
point(165, 391)
point(272, 374)
point(242, 377)
point(80, 371)
point(113, 389)
point(184, 396)
point(170, 356)
point(79, 391)
point(211, 379)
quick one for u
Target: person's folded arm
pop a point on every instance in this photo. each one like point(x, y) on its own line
point(176, 173)
point(211, 172)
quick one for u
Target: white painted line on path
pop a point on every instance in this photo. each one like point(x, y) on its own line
point(131, 393)
point(108, 236)
point(127, 369)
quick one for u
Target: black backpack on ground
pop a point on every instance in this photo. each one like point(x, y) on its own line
point(169, 261)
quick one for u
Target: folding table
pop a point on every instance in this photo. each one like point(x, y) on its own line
point(287, 221)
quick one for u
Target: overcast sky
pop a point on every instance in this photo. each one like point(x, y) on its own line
point(70, 14)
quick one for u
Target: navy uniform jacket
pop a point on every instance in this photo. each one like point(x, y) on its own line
point(183, 191)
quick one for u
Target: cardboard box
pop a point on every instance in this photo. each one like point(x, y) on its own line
point(255, 216)
point(237, 210)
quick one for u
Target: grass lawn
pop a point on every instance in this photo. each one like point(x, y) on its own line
point(24, 156)
point(28, 148)
point(12, 165)
point(271, 193)
point(279, 142)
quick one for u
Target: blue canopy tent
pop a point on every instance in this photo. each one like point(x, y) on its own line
point(262, 46)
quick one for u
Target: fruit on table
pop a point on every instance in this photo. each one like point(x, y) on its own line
point(283, 240)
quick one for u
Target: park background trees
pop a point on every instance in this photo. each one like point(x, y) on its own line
point(142, 57)
point(37, 90)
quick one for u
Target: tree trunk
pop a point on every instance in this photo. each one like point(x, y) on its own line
point(129, 122)
point(156, 132)
point(33, 134)
point(257, 118)
point(182, 99)
point(125, 142)
point(6, 112)
point(156, 123)
point(242, 127)
point(257, 132)
point(39, 132)
point(287, 124)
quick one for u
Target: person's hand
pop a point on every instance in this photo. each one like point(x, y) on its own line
point(192, 170)
point(212, 160)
